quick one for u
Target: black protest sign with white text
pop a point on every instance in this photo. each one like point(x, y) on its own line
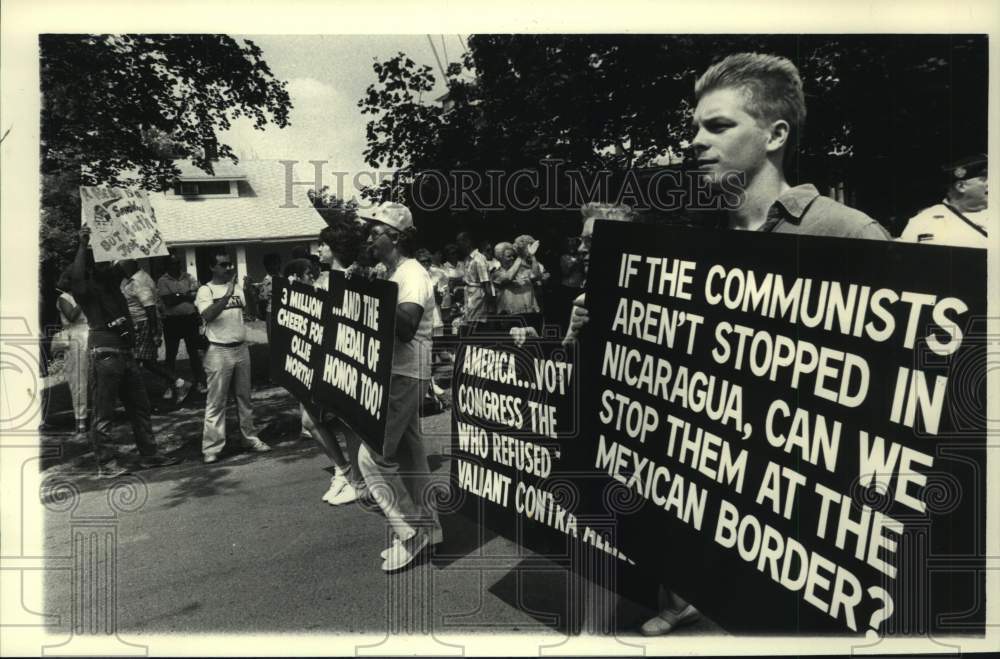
point(804, 420)
point(333, 349)
point(517, 467)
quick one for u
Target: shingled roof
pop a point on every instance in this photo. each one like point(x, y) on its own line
point(256, 215)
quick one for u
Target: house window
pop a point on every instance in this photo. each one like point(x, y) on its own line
point(201, 188)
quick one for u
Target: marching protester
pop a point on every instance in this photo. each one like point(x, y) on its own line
point(337, 250)
point(401, 467)
point(72, 342)
point(140, 294)
point(962, 218)
point(115, 374)
point(177, 289)
point(227, 362)
point(750, 110)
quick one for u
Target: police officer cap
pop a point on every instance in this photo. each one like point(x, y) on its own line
point(966, 168)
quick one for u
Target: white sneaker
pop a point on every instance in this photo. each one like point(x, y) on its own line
point(404, 553)
point(346, 495)
point(385, 552)
point(337, 484)
point(254, 444)
point(437, 537)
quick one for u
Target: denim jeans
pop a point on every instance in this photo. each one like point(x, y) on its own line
point(399, 478)
point(114, 376)
point(226, 367)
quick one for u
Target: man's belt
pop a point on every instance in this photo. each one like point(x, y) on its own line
point(235, 344)
point(107, 350)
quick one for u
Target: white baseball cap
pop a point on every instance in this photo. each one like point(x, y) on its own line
point(389, 213)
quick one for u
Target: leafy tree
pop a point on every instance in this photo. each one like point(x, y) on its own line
point(110, 100)
point(117, 109)
point(884, 111)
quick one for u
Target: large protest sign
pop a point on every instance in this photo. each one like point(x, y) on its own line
point(802, 420)
point(521, 465)
point(333, 349)
point(122, 223)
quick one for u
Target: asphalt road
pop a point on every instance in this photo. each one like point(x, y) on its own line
point(247, 546)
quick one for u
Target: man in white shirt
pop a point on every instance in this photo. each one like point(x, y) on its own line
point(406, 502)
point(962, 218)
point(227, 362)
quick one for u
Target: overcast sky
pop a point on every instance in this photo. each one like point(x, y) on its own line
point(326, 76)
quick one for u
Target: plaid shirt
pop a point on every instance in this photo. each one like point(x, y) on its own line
point(477, 279)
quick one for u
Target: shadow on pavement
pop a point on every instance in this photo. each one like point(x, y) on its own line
point(462, 537)
point(541, 592)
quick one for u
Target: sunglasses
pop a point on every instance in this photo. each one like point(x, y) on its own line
point(377, 231)
point(225, 264)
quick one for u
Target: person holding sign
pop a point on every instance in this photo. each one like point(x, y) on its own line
point(962, 218)
point(399, 477)
point(749, 113)
point(227, 362)
point(338, 249)
point(338, 245)
point(114, 371)
point(750, 110)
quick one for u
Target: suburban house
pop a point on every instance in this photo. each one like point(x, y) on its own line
point(247, 208)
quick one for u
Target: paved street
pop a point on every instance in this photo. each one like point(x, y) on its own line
point(246, 545)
